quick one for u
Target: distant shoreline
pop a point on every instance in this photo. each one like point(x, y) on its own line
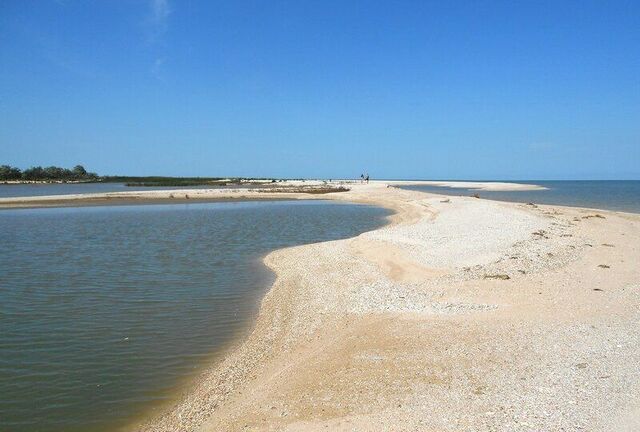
point(479, 185)
point(44, 182)
point(289, 189)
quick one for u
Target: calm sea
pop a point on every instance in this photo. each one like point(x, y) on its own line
point(105, 310)
point(619, 195)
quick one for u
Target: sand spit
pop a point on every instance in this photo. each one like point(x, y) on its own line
point(487, 186)
point(466, 315)
point(289, 189)
point(460, 315)
point(281, 190)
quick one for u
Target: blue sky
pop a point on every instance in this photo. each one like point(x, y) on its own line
point(467, 90)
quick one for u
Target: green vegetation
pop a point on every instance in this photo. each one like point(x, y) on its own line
point(79, 174)
point(155, 181)
point(52, 173)
point(166, 181)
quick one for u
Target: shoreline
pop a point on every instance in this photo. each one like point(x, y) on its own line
point(123, 201)
point(151, 421)
point(494, 186)
point(290, 373)
point(290, 189)
point(283, 192)
point(459, 314)
point(447, 194)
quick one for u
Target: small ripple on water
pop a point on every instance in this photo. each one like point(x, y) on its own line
point(103, 310)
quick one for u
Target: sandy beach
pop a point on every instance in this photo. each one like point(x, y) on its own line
point(485, 186)
point(143, 290)
point(461, 314)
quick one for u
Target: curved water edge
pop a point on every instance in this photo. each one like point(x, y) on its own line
point(405, 210)
point(293, 319)
point(163, 244)
point(226, 375)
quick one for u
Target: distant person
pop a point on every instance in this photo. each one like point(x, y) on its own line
point(361, 178)
point(367, 178)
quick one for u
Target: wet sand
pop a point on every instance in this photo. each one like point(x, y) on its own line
point(462, 314)
point(279, 191)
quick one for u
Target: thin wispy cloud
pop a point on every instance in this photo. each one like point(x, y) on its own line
point(158, 20)
point(157, 25)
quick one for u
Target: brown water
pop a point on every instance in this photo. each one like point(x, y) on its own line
point(103, 310)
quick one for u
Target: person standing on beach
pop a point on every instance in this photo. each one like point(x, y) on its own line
point(367, 178)
point(361, 178)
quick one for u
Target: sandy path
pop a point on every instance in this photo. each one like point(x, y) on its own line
point(460, 315)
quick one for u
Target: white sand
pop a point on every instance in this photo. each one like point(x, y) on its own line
point(265, 191)
point(487, 186)
point(467, 315)
point(470, 315)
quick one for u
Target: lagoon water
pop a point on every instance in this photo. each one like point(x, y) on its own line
point(105, 310)
point(618, 195)
point(42, 189)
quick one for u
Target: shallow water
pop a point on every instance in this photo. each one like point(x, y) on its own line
point(42, 189)
point(618, 195)
point(103, 310)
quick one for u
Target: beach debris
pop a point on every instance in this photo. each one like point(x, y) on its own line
point(497, 276)
point(445, 200)
point(607, 245)
point(532, 205)
point(305, 189)
point(552, 212)
point(541, 234)
point(603, 266)
point(475, 195)
point(593, 216)
point(597, 289)
point(581, 365)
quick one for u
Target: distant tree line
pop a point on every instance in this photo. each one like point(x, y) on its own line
point(39, 173)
